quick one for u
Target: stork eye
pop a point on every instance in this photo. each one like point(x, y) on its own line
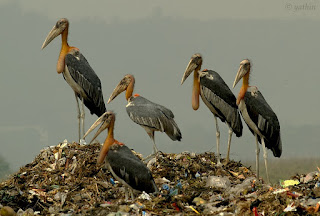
point(58, 24)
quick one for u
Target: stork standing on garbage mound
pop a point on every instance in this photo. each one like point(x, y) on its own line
point(216, 94)
point(151, 116)
point(258, 115)
point(78, 74)
point(126, 167)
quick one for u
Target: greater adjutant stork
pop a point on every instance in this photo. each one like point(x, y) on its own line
point(217, 96)
point(126, 167)
point(151, 116)
point(78, 73)
point(258, 115)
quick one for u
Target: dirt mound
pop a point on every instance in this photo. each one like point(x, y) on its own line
point(66, 180)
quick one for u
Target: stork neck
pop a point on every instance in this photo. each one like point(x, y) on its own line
point(130, 88)
point(64, 37)
point(107, 143)
point(195, 90)
point(110, 131)
point(65, 48)
point(245, 80)
point(244, 87)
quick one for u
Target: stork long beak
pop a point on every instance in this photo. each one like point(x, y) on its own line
point(52, 35)
point(104, 120)
point(241, 72)
point(194, 63)
point(122, 86)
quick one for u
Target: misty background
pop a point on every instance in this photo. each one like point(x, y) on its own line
point(154, 40)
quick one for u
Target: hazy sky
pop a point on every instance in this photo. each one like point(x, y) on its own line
point(154, 40)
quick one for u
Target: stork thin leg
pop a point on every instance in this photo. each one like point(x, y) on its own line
point(131, 193)
point(155, 149)
point(126, 196)
point(265, 156)
point(218, 141)
point(82, 116)
point(229, 144)
point(257, 155)
point(78, 116)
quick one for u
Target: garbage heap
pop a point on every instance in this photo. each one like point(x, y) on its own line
point(65, 180)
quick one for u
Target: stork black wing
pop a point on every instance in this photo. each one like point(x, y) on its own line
point(217, 93)
point(131, 169)
point(86, 78)
point(266, 120)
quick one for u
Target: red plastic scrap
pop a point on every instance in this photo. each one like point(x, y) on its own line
point(175, 206)
point(255, 211)
point(292, 194)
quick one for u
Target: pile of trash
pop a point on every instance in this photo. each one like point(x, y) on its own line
point(65, 180)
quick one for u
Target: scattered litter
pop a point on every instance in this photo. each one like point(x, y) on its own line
point(243, 188)
point(197, 175)
point(279, 191)
point(199, 201)
point(83, 142)
point(194, 209)
point(290, 207)
point(288, 183)
point(65, 180)
point(64, 144)
point(112, 181)
point(165, 187)
point(173, 192)
point(161, 180)
point(151, 162)
point(144, 196)
point(219, 182)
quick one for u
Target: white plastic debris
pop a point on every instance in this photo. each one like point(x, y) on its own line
point(62, 161)
point(73, 166)
point(279, 191)
point(290, 207)
point(310, 176)
point(105, 205)
point(56, 155)
point(161, 180)
point(144, 196)
point(23, 173)
point(64, 144)
point(134, 206)
point(60, 196)
point(219, 182)
point(151, 162)
point(83, 142)
point(245, 185)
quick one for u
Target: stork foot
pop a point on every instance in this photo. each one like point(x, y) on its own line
point(225, 162)
point(148, 158)
point(127, 191)
point(219, 164)
point(153, 155)
point(82, 142)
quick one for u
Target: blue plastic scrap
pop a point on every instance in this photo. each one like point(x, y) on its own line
point(112, 181)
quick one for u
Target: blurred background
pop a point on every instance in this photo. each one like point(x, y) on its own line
point(154, 40)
